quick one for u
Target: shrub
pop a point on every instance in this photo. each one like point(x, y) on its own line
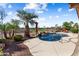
point(2, 40)
point(74, 30)
point(18, 38)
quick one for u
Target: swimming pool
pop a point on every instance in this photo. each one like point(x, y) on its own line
point(50, 37)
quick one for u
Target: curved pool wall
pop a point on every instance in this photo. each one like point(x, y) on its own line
point(50, 37)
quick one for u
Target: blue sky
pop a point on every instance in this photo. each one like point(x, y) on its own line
point(49, 14)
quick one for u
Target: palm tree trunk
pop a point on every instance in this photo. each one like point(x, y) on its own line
point(5, 34)
point(27, 31)
point(11, 34)
point(36, 28)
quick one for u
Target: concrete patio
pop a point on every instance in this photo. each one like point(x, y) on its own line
point(64, 47)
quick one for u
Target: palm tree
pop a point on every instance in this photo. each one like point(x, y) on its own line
point(27, 18)
point(76, 25)
point(2, 16)
point(4, 28)
point(71, 23)
point(66, 25)
point(14, 25)
point(1, 29)
point(36, 27)
point(9, 28)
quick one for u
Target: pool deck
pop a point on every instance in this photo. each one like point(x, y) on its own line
point(64, 47)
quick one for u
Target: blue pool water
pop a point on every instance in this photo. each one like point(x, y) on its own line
point(50, 37)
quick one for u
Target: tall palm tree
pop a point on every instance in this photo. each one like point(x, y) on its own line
point(36, 23)
point(27, 18)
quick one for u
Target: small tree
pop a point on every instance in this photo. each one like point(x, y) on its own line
point(71, 23)
point(67, 25)
point(9, 28)
point(2, 16)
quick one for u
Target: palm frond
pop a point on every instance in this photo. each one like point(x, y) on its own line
point(32, 22)
point(26, 16)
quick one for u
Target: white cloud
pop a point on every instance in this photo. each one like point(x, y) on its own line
point(9, 13)
point(59, 9)
point(44, 5)
point(40, 11)
point(15, 16)
point(9, 6)
point(38, 8)
point(65, 15)
point(30, 6)
point(50, 17)
point(43, 22)
point(71, 9)
point(40, 19)
point(57, 16)
point(3, 5)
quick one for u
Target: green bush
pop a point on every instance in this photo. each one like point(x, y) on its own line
point(18, 38)
point(2, 40)
point(74, 30)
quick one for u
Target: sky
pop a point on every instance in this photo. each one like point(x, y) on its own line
point(49, 14)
